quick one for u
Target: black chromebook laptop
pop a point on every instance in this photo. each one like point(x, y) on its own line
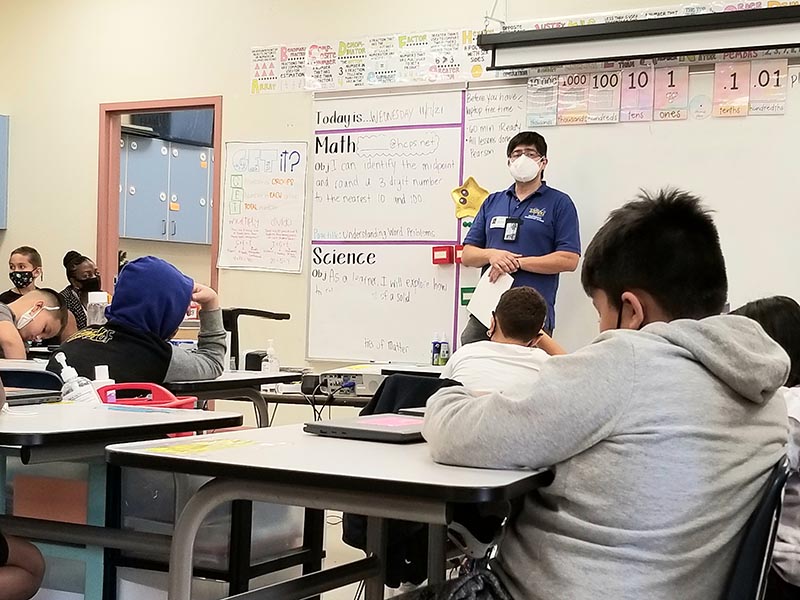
point(397, 429)
point(29, 396)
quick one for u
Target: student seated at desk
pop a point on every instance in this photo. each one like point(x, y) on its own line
point(509, 361)
point(83, 278)
point(150, 302)
point(780, 318)
point(663, 431)
point(37, 315)
point(24, 268)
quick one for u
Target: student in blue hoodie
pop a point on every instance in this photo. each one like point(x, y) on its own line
point(149, 304)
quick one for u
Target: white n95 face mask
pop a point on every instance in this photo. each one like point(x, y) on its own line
point(524, 169)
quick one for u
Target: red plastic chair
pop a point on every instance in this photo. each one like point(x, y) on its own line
point(152, 395)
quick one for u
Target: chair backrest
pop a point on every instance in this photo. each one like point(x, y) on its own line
point(27, 378)
point(748, 580)
point(230, 321)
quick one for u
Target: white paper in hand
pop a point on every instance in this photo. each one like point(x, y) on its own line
point(486, 296)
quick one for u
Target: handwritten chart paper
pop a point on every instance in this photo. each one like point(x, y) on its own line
point(262, 216)
point(604, 97)
point(731, 89)
point(542, 101)
point(637, 95)
point(671, 95)
point(768, 80)
point(573, 99)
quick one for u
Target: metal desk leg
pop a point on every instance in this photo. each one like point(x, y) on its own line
point(249, 394)
point(377, 530)
point(239, 549)
point(437, 539)
point(314, 540)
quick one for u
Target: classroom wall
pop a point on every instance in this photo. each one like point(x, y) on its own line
point(60, 60)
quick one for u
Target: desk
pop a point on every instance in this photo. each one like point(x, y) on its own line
point(284, 465)
point(234, 385)
point(65, 432)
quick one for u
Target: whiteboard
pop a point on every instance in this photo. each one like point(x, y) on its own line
point(382, 302)
point(743, 168)
point(264, 206)
point(384, 167)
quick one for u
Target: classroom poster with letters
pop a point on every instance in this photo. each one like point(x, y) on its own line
point(264, 206)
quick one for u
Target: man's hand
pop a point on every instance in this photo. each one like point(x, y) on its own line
point(502, 261)
point(205, 296)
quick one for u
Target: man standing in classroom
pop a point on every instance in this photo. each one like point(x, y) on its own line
point(529, 230)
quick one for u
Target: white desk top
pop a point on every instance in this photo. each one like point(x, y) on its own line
point(60, 423)
point(288, 455)
point(23, 365)
point(232, 379)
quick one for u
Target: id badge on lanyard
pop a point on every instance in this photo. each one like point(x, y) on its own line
point(511, 231)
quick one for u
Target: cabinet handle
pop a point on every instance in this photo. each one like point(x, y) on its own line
point(163, 227)
point(174, 228)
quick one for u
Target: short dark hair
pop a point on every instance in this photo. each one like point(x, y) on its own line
point(527, 138)
point(780, 318)
point(57, 299)
point(520, 313)
point(72, 260)
point(32, 255)
point(667, 246)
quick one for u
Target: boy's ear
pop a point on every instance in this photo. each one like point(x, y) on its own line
point(634, 317)
point(492, 327)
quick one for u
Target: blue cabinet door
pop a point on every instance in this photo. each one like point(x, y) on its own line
point(3, 171)
point(146, 189)
point(188, 194)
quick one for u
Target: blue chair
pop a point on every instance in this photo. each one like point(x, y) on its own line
point(750, 572)
point(35, 379)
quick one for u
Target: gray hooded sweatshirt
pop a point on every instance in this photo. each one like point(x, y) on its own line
point(661, 439)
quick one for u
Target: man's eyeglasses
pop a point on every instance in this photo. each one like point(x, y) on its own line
point(529, 153)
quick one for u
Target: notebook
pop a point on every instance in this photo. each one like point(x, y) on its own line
point(28, 396)
point(397, 429)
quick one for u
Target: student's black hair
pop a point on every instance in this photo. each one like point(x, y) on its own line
point(666, 245)
point(30, 253)
point(520, 313)
point(72, 260)
point(780, 318)
point(56, 299)
point(527, 138)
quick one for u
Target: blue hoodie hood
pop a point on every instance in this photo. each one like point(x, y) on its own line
point(152, 296)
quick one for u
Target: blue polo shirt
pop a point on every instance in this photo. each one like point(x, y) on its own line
point(549, 224)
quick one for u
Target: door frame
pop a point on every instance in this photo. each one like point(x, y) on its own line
point(108, 176)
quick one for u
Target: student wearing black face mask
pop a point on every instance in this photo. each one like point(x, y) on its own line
point(83, 278)
point(24, 268)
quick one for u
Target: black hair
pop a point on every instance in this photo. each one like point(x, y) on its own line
point(527, 138)
point(520, 313)
point(57, 299)
point(32, 254)
point(72, 260)
point(780, 318)
point(667, 246)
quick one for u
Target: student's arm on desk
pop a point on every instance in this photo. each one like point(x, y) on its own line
point(207, 362)
point(575, 403)
point(549, 345)
point(11, 342)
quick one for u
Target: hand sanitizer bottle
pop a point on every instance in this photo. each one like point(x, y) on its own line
point(76, 388)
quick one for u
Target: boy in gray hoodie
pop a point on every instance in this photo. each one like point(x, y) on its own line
point(662, 432)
